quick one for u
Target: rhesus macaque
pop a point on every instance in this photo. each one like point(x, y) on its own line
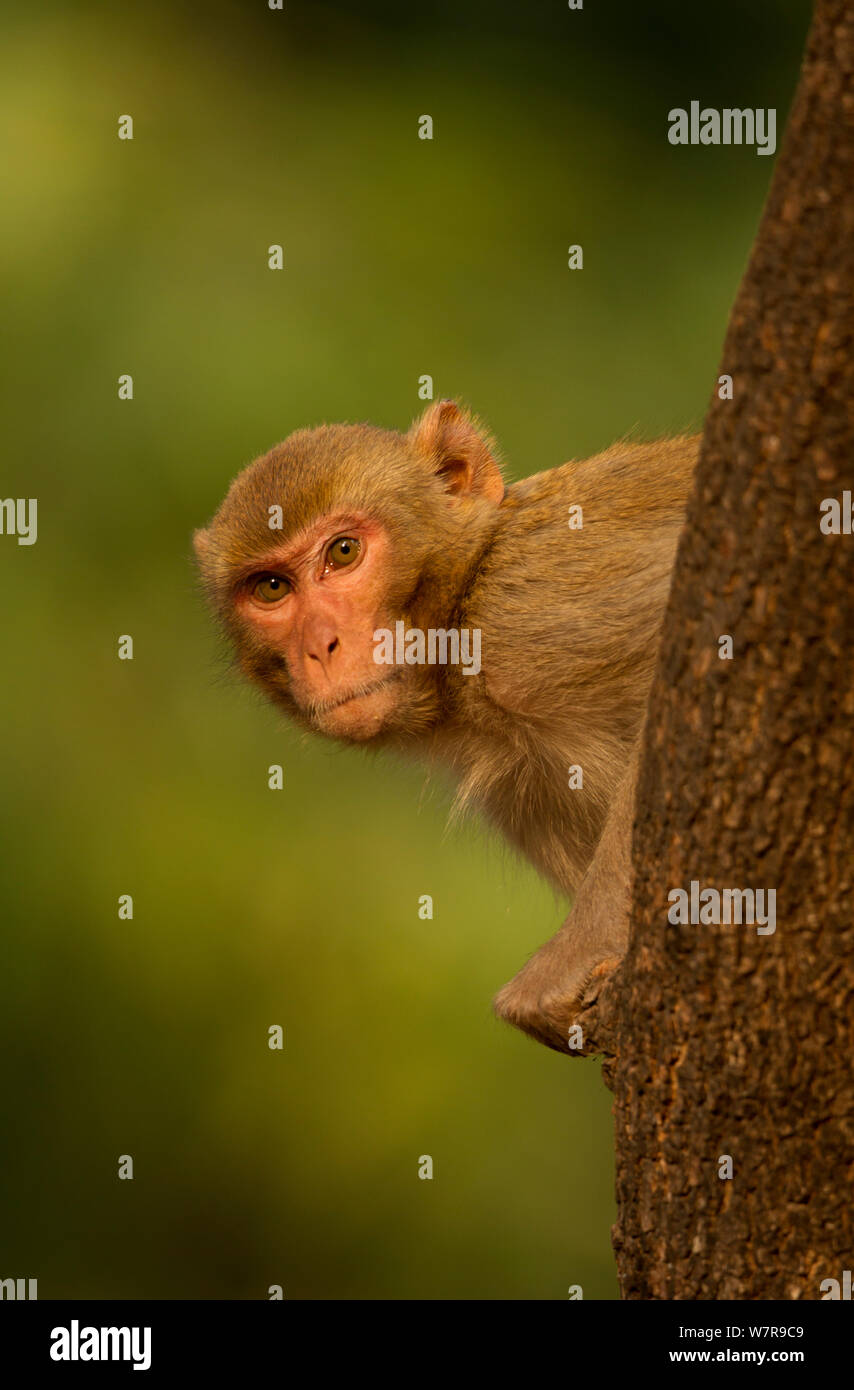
point(346, 530)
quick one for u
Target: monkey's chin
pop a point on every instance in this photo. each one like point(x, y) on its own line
point(360, 717)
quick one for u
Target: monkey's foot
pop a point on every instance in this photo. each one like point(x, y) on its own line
point(553, 1012)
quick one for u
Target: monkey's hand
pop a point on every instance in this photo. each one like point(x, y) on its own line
point(551, 995)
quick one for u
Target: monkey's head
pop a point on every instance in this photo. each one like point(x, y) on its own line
point(340, 532)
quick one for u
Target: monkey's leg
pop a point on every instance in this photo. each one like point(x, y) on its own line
point(545, 997)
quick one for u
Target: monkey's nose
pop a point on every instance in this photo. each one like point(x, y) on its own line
point(330, 648)
point(322, 651)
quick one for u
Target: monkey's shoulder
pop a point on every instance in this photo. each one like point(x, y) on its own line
point(577, 573)
point(623, 483)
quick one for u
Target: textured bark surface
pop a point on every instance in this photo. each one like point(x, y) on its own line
point(729, 1042)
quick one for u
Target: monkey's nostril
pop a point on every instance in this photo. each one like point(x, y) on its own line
point(332, 645)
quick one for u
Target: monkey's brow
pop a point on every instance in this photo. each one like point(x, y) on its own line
point(271, 563)
point(304, 546)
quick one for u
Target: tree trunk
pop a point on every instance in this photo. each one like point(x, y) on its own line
point(727, 1041)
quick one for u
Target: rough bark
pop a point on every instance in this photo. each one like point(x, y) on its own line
point(728, 1042)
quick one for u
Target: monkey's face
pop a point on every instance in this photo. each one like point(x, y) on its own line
point(330, 540)
point(307, 615)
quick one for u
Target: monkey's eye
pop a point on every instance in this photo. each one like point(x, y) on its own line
point(343, 552)
point(270, 588)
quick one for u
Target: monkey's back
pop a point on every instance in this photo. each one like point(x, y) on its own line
point(570, 619)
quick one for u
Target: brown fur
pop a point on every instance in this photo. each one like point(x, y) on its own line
point(570, 622)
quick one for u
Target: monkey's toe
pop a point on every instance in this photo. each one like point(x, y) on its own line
point(545, 1018)
point(551, 1015)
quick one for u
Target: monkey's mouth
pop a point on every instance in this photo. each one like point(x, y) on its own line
point(357, 692)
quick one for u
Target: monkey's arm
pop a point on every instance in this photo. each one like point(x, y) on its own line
point(545, 997)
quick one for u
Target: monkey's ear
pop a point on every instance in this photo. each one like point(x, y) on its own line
point(460, 453)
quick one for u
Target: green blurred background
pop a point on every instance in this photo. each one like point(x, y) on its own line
point(299, 907)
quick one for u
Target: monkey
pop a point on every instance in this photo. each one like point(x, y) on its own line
point(344, 534)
